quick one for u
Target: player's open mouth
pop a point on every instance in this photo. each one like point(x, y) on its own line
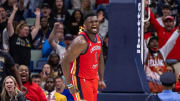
point(94, 28)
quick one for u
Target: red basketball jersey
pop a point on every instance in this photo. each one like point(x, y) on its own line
point(86, 65)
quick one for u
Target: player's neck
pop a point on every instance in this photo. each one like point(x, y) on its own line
point(91, 36)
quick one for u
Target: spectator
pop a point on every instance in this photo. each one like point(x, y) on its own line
point(46, 71)
point(36, 78)
point(10, 91)
point(60, 14)
point(103, 23)
point(57, 35)
point(21, 42)
point(76, 4)
point(155, 60)
point(7, 67)
point(164, 34)
point(34, 92)
point(3, 15)
point(54, 38)
point(47, 49)
point(75, 22)
point(46, 12)
point(30, 5)
point(168, 79)
point(160, 5)
point(8, 6)
point(61, 88)
point(68, 38)
point(49, 2)
point(51, 93)
point(178, 84)
point(54, 63)
point(103, 4)
point(86, 7)
point(170, 68)
point(166, 11)
point(174, 7)
point(43, 34)
point(3, 23)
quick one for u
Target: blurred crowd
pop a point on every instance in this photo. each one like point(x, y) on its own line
point(162, 43)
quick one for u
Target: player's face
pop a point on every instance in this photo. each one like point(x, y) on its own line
point(92, 24)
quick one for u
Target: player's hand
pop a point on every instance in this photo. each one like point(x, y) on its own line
point(73, 90)
point(102, 84)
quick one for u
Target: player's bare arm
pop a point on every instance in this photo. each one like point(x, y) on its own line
point(102, 84)
point(77, 47)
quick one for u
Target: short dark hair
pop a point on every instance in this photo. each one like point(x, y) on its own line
point(166, 6)
point(89, 15)
point(58, 77)
point(172, 66)
point(101, 10)
point(35, 76)
point(1, 6)
point(51, 77)
point(168, 79)
point(151, 39)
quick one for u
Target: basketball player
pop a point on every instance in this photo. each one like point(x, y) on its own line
point(83, 64)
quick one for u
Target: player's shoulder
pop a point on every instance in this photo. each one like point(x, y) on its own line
point(80, 39)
